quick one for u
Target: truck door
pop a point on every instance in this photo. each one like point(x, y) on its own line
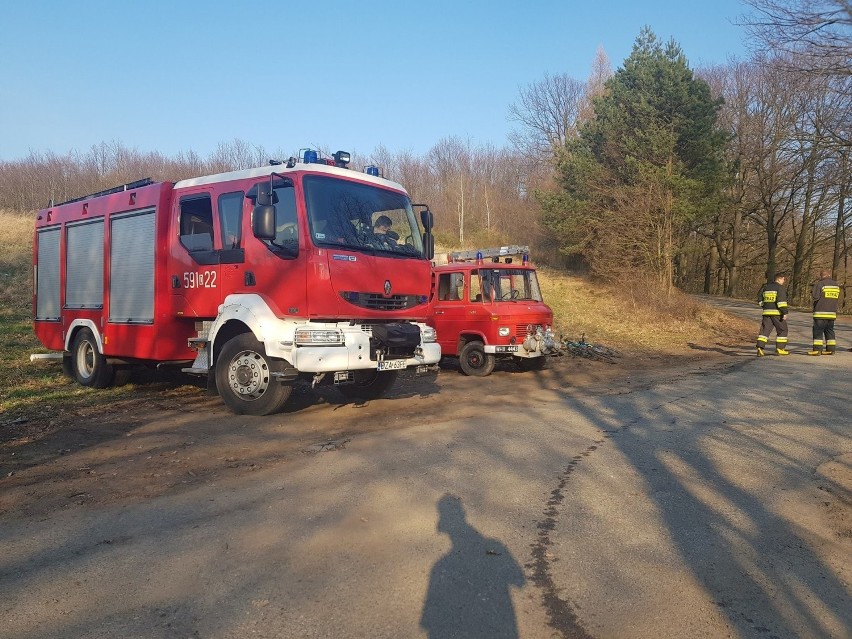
point(234, 277)
point(450, 310)
point(195, 260)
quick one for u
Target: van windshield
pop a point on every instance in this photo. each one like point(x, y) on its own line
point(361, 217)
point(508, 284)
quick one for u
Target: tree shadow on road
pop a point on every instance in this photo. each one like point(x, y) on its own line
point(714, 477)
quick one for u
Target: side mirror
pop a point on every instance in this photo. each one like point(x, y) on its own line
point(428, 245)
point(427, 219)
point(263, 221)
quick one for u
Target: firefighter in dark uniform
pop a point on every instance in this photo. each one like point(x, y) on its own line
point(773, 300)
point(826, 294)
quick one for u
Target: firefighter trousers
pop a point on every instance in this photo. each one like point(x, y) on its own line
point(824, 335)
point(769, 323)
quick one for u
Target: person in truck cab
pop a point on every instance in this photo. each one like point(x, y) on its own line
point(382, 229)
point(382, 226)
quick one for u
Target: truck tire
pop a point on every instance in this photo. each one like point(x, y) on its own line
point(369, 384)
point(474, 361)
point(532, 363)
point(88, 365)
point(244, 377)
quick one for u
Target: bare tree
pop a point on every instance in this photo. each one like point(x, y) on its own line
point(548, 112)
point(818, 32)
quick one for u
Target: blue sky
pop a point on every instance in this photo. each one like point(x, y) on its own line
point(186, 75)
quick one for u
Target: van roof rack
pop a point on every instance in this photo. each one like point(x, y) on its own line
point(480, 254)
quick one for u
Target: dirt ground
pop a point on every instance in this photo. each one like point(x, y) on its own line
point(170, 435)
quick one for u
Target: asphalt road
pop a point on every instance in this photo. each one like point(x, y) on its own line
point(709, 502)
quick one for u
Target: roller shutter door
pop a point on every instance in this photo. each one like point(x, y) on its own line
point(47, 275)
point(131, 285)
point(84, 268)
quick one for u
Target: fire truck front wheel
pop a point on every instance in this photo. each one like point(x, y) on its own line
point(88, 366)
point(369, 384)
point(245, 378)
point(474, 361)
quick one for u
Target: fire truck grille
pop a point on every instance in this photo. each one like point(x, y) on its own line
point(378, 302)
point(521, 329)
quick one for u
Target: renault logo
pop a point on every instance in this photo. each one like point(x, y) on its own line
point(387, 287)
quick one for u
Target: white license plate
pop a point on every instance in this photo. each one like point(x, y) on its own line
point(392, 364)
point(505, 349)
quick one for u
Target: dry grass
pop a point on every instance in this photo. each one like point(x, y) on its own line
point(634, 317)
point(16, 238)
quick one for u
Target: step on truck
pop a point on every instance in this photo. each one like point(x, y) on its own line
point(487, 304)
point(254, 278)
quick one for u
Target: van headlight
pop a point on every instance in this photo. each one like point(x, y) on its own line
point(313, 336)
point(503, 331)
point(428, 334)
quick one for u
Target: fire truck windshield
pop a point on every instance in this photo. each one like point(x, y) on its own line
point(361, 217)
point(513, 284)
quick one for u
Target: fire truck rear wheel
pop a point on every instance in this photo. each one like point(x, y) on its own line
point(474, 361)
point(245, 378)
point(369, 384)
point(88, 365)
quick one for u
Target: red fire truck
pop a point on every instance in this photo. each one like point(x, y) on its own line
point(254, 278)
point(487, 304)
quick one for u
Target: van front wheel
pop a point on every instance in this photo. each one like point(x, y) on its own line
point(474, 361)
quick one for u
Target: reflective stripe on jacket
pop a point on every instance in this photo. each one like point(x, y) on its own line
point(826, 294)
point(773, 299)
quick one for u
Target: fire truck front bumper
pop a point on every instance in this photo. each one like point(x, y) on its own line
point(354, 354)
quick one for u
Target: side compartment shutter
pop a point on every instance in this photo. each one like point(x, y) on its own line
point(131, 284)
point(84, 284)
point(47, 286)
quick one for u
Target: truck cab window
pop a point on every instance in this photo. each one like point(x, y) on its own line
point(451, 286)
point(196, 223)
point(231, 218)
point(286, 242)
point(475, 288)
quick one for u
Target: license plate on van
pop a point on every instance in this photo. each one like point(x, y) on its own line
point(391, 364)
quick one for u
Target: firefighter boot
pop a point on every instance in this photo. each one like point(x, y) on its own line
point(813, 352)
point(760, 352)
point(781, 351)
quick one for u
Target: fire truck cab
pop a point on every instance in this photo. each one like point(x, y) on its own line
point(254, 278)
point(486, 304)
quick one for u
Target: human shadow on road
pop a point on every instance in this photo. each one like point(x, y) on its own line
point(469, 592)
